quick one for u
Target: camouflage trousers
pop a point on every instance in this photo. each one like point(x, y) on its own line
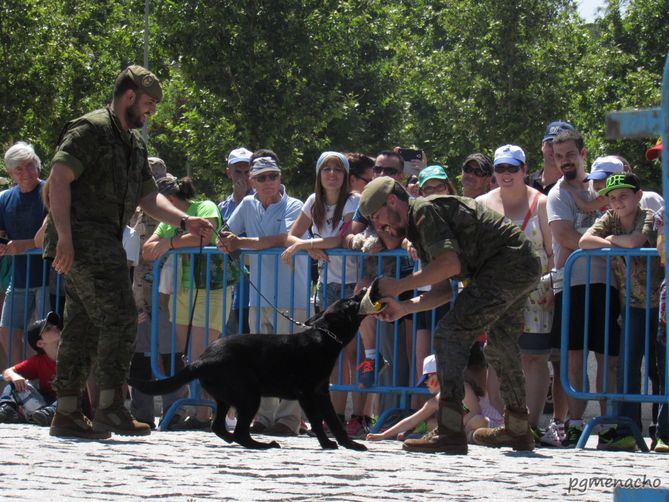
point(99, 326)
point(494, 302)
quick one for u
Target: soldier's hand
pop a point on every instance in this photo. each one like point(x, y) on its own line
point(201, 227)
point(62, 263)
point(388, 287)
point(394, 310)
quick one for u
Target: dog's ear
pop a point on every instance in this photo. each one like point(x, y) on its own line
point(313, 319)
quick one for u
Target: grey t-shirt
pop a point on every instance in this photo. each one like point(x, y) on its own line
point(561, 207)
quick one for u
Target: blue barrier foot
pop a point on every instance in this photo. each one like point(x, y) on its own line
point(186, 401)
point(612, 420)
point(393, 415)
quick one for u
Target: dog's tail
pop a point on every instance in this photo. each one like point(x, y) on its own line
point(166, 385)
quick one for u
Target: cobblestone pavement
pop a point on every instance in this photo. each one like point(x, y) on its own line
point(200, 466)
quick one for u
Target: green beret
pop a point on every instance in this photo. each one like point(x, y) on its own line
point(145, 80)
point(375, 194)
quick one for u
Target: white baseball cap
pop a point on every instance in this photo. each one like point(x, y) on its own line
point(509, 154)
point(429, 366)
point(603, 167)
point(239, 155)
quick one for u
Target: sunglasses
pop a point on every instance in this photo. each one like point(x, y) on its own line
point(262, 177)
point(429, 190)
point(477, 171)
point(506, 168)
point(363, 179)
point(386, 171)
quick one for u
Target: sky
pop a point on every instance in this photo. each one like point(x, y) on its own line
point(588, 8)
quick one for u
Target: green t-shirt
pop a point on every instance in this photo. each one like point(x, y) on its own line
point(203, 209)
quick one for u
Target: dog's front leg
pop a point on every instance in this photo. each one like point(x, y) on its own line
point(325, 404)
point(310, 408)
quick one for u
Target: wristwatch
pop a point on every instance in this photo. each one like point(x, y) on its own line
point(182, 223)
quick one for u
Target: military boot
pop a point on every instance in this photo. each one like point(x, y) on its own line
point(449, 437)
point(113, 416)
point(70, 422)
point(515, 432)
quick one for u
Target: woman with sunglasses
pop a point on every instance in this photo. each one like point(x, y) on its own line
point(527, 208)
point(328, 213)
point(476, 175)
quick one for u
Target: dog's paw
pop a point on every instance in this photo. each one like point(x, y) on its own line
point(352, 445)
point(329, 445)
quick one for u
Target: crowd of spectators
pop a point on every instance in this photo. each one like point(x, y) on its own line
point(560, 208)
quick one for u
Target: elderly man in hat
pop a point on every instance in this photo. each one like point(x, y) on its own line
point(100, 173)
point(265, 218)
point(457, 237)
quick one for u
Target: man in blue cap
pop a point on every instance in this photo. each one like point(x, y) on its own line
point(544, 179)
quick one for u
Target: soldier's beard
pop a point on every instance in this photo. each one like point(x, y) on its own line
point(133, 117)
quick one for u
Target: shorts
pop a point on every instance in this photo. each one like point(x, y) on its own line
point(535, 343)
point(216, 314)
point(597, 319)
point(424, 319)
point(14, 312)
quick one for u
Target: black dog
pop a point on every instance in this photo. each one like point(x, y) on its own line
point(239, 370)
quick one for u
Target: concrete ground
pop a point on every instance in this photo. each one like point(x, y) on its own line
point(200, 466)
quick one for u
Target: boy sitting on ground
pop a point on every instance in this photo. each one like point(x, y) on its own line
point(627, 225)
point(472, 420)
point(20, 401)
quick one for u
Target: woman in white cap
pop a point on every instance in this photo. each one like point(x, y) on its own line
point(327, 214)
point(527, 208)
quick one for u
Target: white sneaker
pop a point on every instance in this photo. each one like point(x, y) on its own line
point(230, 423)
point(554, 434)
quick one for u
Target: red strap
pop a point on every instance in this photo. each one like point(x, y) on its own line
point(530, 211)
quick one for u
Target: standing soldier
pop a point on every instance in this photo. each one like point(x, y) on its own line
point(99, 175)
point(457, 237)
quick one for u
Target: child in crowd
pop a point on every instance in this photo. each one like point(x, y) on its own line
point(21, 402)
point(627, 225)
point(602, 168)
point(474, 401)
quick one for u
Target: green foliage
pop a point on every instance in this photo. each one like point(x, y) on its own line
point(302, 76)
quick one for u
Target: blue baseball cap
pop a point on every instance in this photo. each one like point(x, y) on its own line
point(509, 154)
point(555, 128)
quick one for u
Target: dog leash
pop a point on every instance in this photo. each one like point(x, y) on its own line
point(235, 256)
point(196, 270)
point(246, 273)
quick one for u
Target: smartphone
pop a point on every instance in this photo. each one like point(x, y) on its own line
point(409, 154)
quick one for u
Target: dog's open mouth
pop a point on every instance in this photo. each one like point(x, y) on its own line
point(370, 303)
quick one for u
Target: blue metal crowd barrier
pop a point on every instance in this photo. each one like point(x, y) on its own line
point(394, 383)
point(620, 395)
point(49, 297)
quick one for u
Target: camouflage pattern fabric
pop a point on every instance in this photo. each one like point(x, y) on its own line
point(609, 224)
point(111, 176)
point(100, 326)
point(142, 281)
point(502, 269)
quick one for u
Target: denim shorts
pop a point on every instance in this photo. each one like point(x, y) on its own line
point(14, 312)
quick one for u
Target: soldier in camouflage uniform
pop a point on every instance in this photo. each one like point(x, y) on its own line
point(459, 238)
point(99, 175)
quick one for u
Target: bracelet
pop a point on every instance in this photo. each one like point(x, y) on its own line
point(182, 223)
point(311, 244)
point(171, 243)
